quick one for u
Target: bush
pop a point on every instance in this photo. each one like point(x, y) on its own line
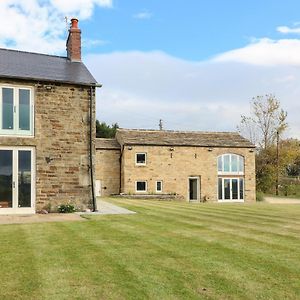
point(66, 208)
point(259, 196)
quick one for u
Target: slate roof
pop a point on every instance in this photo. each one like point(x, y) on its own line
point(109, 144)
point(181, 138)
point(41, 67)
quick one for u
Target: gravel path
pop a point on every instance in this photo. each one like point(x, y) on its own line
point(276, 200)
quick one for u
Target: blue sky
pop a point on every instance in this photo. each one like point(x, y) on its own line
point(193, 30)
point(195, 64)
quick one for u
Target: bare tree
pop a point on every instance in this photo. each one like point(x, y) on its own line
point(266, 120)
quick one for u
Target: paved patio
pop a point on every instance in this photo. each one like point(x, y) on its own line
point(104, 208)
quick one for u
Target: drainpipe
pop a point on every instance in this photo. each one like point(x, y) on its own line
point(121, 156)
point(94, 203)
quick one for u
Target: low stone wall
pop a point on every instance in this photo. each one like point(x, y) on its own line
point(151, 196)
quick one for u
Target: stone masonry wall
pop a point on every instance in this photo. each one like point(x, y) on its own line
point(61, 133)
point(185, 162)
point(108, 171)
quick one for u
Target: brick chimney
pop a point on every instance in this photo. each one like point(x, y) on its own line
point(74, 41)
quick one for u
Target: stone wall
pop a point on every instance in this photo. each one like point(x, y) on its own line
point(61, 134)
point(108, 171)
point(175, 167)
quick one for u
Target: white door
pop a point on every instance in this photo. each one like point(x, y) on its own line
point(17, 180)
point(98, 188)
point(231, 189)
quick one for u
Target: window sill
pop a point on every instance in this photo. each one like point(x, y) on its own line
point(17, 135)
point(231, 201)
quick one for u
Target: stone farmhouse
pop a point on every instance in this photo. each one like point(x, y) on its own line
point(47, 129)
point(49, 154)
point(193, 166)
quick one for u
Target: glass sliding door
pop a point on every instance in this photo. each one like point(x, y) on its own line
point(231, 189)
point(24, 179)
point(234, 189)
point(6, 179)
point(16, 180)
point(227, 189)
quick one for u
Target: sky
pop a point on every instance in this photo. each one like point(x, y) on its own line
point(195, 64)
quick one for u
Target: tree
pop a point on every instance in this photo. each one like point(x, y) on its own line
point(288, 165)
point(106, 131)
point(267, 118)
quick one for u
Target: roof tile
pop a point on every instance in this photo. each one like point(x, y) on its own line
point(42, 67)
point(181, 138)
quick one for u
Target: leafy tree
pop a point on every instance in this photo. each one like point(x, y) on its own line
point(106, 131)
point(266, 119)
point(288, 165)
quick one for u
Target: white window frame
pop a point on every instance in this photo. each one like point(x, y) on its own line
point(15, 209)
point(230, 172)
point(223, 189)
point(16, 131)
point(198, 178)
point(140, 164)
point(146, 186)
point(161, 185)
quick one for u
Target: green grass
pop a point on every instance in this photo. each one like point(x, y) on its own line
point(168, 250)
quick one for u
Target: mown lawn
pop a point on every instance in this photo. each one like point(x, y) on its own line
point(169, 250)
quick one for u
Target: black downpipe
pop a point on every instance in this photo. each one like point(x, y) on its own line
point(121, 157)
point(91, 152)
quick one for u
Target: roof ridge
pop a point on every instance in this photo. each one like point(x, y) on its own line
point(177, 131)
point(36, 53)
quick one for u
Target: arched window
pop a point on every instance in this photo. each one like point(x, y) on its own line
point(231, 178)
point(231, 164)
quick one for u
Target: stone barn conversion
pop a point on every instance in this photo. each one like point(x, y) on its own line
point(47, 129)
point(194, 166)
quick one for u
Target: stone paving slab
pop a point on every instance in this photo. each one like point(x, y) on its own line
point(106, 208)
point(39, 218)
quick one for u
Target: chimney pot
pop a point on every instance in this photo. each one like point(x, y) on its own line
point(74, 23)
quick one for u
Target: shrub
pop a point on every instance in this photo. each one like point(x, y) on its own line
point(66, 208)
point(259, 196)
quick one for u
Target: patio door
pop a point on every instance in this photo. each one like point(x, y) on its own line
point(231, 189)
point(17, 185)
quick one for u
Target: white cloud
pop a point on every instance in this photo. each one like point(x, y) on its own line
point(39, 25)
point(287, 30)
point(141, 88)
point(82, 8)
point(143, 15)
point(88, 43)
point(265, 52)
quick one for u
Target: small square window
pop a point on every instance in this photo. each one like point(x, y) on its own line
point(159, 186)
point(141, 186)
point(140, 158)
